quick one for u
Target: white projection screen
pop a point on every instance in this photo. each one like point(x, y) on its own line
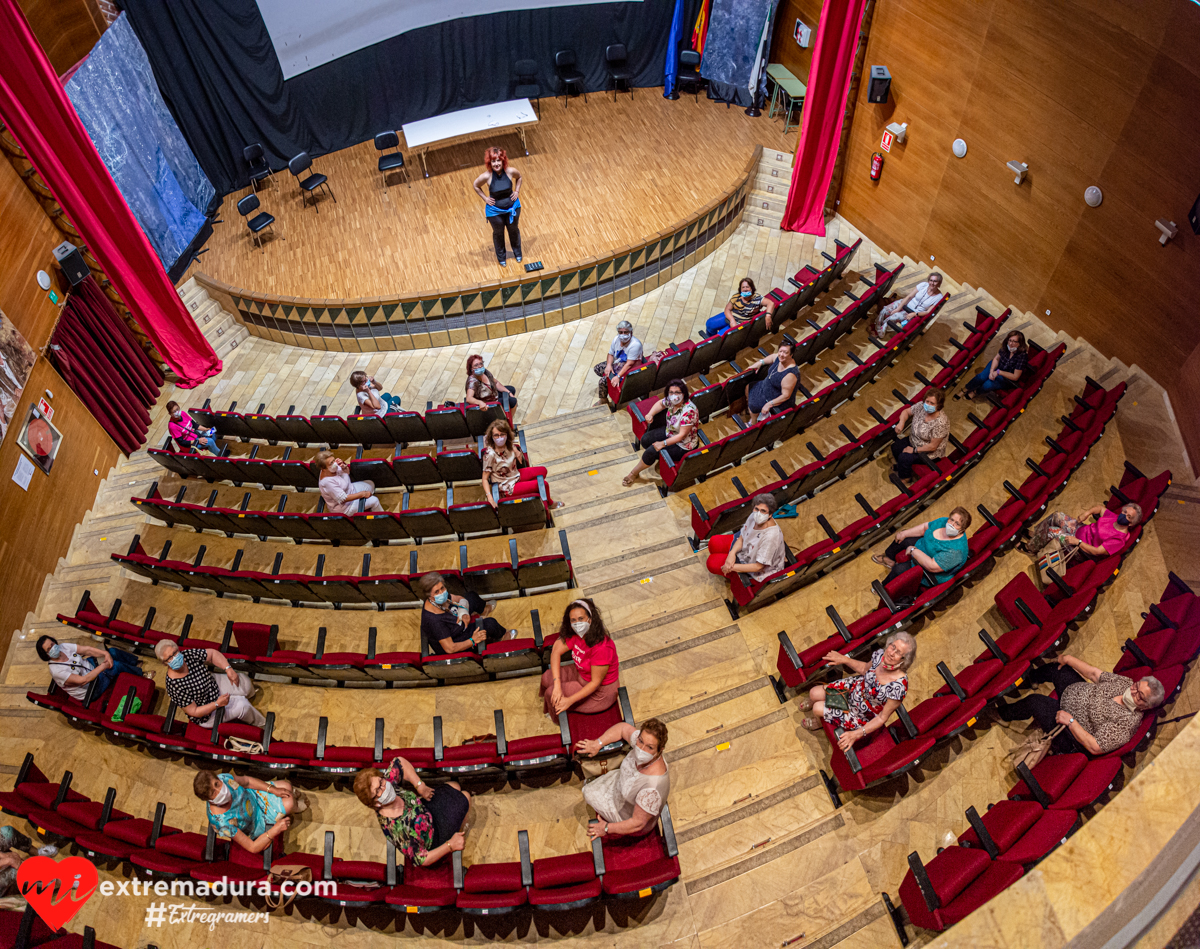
point(309, 33)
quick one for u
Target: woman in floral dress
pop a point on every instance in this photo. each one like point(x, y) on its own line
point(872, 694)
point(426, 824)
point(674, 435)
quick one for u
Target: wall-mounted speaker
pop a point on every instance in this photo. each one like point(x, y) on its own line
point(1194, 217)
point(880, 84)
point(72, 262)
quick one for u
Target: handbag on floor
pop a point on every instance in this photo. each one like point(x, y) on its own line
point(281, 873)
point(243, 745)
point(1034, 748)
point(1055, 556)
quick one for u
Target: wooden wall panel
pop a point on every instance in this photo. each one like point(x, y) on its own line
point(784, 48)
point(67, 29)
point(27, 242)
point(1101, 93)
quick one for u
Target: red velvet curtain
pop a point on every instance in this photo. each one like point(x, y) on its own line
point(98, 356)
point(824, 111)
point(38, 113)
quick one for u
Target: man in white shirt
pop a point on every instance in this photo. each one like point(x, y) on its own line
point(624, 354)
point(73, 666)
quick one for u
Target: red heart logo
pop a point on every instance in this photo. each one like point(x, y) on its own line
point(39, 879)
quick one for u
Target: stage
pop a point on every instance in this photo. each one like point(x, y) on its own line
point(600, 176)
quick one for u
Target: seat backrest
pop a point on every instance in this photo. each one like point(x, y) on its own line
point(525, 68)
point(386, 140)
point(300, 163)
point(253, 153)
point(615, 53)
point(248, 205)
point(689, 57)
point(564, 57)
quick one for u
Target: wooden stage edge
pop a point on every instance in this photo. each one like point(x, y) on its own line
point(447, 317)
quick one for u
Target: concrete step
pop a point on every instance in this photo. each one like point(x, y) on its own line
point(771, 185)
point(779, 159)
point(764, 201)
point(763, 217)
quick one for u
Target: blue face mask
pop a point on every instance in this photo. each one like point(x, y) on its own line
point(1121, 519)
point(441, 598)
point(54, 652)
point(747, 294)
point(176, 661)
point(478, 370)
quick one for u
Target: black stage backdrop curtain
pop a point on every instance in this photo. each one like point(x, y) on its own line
point(218, 73)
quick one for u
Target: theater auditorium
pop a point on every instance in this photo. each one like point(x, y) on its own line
point(631, 473)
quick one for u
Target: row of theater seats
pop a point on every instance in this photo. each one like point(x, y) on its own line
point(518, 575)
point(931, 483)
point(712, 454)
point(418, 524)
point(491, 758)
point(444, 423)
point(1038, 624)
point(25, 930)
point(688, 358)
point(254, 648)
point(1082, 429)
point(291, 467)
point(805, 482)
point(616, 868)
point(1044, 807)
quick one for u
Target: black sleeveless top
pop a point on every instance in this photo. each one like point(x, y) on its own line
point(771, 387)
point(501, 190)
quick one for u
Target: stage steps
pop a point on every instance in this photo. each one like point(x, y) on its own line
point(220, 327)
point(764, 206)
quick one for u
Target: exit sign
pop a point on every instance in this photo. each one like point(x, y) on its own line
point(886, 142)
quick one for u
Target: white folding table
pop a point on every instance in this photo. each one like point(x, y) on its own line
point(469, 123)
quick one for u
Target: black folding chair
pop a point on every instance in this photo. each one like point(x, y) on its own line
point(259, 169)
point(300, 164)
point(392, 161)
point(568, 74)
point(247, 206)
point(618, 71)
point(525, 81)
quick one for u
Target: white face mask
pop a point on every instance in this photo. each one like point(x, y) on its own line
point(951, 530)
point(641, 757)
point(624, 339)
point(222, 797)
point(674, 398)
point(931, 408)
point(387, 795)
point(580, 627)
point(761, 517)
point(1013, 346)
point(1128, 701)
point(500, 440)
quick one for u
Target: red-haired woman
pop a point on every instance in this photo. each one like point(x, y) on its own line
point(503, 207)
point(482, 387)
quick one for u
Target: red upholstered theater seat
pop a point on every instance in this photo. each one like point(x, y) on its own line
point(492, 889)
point(10, 926)
point(637, 867)
point(564, 883)
point(960, 881)
point(425, 889)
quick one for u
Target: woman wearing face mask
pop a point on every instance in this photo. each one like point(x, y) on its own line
point(425, 824)
point(372, 400)
point(73, 666)
point(627, 801)
point(758, 548)
point(452, 624)
point(742, 306)
point(198, 693)
point(1101, 710)
point(187, 433)
point(482, 387)
point(504, 466)
point(591, 684)
point(624, 354)
point(246, 810)
point(1005, 369)
point(1097, 532)
point(777, 391)
point(926, 442)
point(676, 435)
point(871, 694)
point(340, 493)
point(920, 301)
point(503, 205)
point(940, 546)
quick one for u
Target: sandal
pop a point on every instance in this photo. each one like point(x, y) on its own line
point(878, 558)
point(628, 480)
point(806, 705)
point(811, 724)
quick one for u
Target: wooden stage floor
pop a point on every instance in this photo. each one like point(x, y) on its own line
point(600, 175)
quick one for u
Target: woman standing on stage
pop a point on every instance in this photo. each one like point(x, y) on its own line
point(503, 207)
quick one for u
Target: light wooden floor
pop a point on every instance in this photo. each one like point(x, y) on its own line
point(599, 176)
point(765, 855)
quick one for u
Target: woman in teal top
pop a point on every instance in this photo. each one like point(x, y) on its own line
point(939, 546)
point(247, 810)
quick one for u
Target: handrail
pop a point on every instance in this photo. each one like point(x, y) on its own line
point(447, 317)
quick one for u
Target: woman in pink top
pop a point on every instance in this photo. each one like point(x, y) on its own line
point(590, 685)
point(187, 433)
point(1106, 536)
point(338, 490)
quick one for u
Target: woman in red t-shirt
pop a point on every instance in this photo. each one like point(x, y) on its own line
point(591, 684)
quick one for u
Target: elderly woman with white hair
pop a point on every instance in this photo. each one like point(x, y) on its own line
point(862, 703)
point(198, 693)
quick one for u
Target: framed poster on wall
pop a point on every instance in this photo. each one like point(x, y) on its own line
point(39, 439)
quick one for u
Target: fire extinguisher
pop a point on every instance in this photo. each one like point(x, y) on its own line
point(876, 166)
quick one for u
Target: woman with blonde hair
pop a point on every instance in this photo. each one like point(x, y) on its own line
point(339, 492)
point(504, 465)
